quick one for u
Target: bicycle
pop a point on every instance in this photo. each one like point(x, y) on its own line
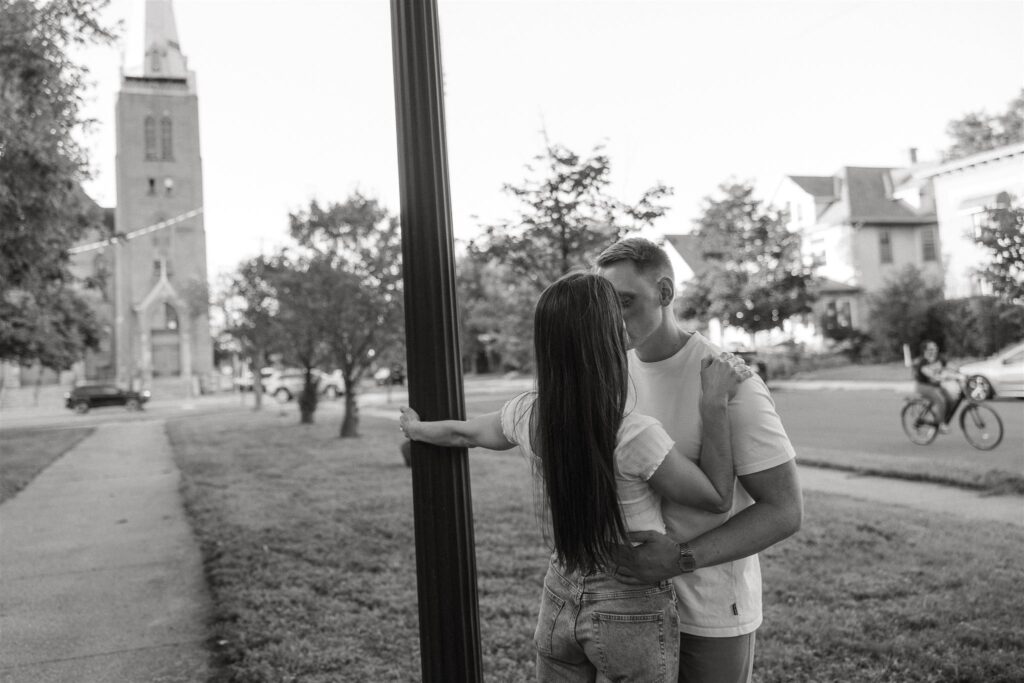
point(980, 424)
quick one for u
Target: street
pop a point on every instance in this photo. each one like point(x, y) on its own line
point(823, 424)
point(868, 422)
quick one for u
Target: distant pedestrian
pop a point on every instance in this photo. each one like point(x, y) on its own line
point(604, 468)
point(935, 382)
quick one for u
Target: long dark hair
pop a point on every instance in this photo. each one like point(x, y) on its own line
point(582, 376)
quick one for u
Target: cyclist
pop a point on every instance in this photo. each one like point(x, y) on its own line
point(936, 383)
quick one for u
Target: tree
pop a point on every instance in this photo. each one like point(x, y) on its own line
point(755, 279)
point(567, 217)
point(900, 312)
point(250, 308)
point(306, 287)
point(495, 316)
point(980, 131)
point(355, 251)
point(1002, 235)
point(43, 211)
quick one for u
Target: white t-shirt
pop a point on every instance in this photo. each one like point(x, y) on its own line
point(724, 600)
point(640, 449)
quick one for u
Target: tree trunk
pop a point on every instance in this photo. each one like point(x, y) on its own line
point(308, 398)
point(257, 380)
point(350, 423)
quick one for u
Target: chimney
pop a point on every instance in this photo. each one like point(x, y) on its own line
point(913, 155)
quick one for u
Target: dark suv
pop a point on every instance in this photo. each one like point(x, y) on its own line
point(81, 399)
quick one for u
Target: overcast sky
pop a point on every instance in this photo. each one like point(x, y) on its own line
point(296, 97)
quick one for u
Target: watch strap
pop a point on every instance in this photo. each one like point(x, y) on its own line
point(686, 561)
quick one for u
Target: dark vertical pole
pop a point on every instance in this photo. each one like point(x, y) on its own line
point(445, 562)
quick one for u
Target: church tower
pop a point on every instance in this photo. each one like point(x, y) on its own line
point(161, 327)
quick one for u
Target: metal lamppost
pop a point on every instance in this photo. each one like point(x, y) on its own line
point(449, 619)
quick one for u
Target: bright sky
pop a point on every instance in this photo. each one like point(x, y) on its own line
point(296, 97)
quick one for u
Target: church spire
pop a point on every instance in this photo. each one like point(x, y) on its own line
point(163, 53)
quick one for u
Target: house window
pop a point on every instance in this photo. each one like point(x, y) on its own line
point(928, 244)
point(166, 152)
point(885, 247)
point(979, 219)
point(843, 317)
point(818, 252)
point(152, 186)
point(170, 317)
point(149, 131)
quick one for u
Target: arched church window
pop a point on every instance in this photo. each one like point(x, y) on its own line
point(170, 317)
point(165, 138)
point(149, 129)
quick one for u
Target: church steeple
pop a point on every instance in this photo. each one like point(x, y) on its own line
point(163, 53)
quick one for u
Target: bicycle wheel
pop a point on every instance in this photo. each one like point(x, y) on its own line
point(982, 426)
point(919, 422)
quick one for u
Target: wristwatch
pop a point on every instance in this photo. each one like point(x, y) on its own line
point(686, 561)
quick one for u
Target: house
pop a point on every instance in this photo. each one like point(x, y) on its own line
point(860, 227)
point(963, 190)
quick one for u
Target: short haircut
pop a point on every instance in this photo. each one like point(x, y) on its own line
point(643, 253)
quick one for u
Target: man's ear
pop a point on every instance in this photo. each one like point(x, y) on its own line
point(666, 291)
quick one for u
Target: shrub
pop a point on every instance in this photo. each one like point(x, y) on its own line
point(900, 313)
point(975, 326)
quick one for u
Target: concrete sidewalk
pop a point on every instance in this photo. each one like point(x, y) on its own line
point(918, 495)
point(100, 576)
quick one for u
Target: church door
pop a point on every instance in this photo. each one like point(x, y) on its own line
point(166, 353)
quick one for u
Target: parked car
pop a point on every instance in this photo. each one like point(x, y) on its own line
point(83, 398)
point(286, 384)
point(244, 381)
point(1001, 375)
point(332, 385)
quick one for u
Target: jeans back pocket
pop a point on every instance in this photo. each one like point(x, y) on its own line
point(638, 647)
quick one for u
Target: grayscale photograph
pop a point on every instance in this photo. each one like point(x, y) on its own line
point(464, 341)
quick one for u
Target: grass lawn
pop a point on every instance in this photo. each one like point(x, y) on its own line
point(309, 549)
point(24, 453)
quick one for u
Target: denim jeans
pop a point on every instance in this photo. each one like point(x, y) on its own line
point(592, 627)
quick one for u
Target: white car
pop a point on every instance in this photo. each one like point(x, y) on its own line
point(286, 384)
point(1001, 375)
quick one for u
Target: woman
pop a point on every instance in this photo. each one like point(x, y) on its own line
point(933, 381)
point(604, 470)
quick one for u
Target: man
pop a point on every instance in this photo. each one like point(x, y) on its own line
point(929, 370)
point(715, 572)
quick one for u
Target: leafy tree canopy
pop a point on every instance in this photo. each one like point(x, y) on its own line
point(567, 217)
point(754, 278)
point(352, 284)
point(980, 131)
point(43, 211)
point(1003, 237)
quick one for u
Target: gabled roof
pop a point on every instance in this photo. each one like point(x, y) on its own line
point(870, 195)
point(689, 249)
point(981, 158)
point(163, 290)
point(819, 186)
